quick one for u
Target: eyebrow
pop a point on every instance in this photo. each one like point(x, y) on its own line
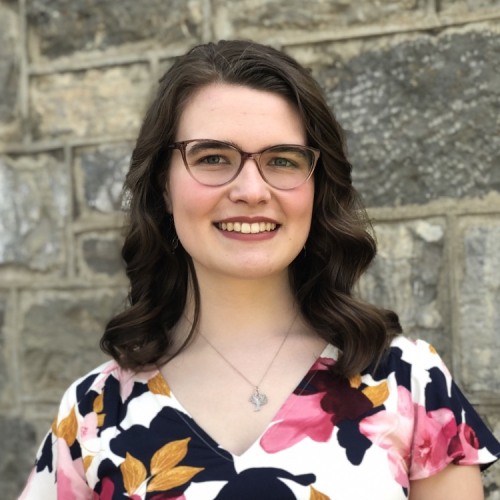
point(211, 143)
point(219, 142)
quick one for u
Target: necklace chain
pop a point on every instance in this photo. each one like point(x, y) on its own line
point(257, 398)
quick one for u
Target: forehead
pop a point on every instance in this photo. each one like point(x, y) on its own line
point(240, 114)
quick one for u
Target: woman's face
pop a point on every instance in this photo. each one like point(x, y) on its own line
point(251, 120)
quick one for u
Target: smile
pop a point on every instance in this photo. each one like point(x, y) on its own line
point(247, 227)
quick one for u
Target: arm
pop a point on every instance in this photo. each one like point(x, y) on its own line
point(457, 482)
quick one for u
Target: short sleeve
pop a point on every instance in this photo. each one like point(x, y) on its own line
point(447, 429)
point(58, 472)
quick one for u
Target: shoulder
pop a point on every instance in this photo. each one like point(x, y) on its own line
point(417, 357)
point(108, 379)
point(413, 368)
point(417, 352)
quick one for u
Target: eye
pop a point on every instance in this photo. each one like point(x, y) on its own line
point(212, 159)
point(281, 161)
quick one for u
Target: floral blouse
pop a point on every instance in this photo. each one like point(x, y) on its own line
point(122, 435)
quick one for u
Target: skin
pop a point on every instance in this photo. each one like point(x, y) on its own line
point(252, 120)
point(244, 281)
point(454, 483)
point(247, 304)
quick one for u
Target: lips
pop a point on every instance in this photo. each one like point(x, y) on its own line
point(247, 227)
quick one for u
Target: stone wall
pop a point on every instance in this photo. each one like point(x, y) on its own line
point(416, 84)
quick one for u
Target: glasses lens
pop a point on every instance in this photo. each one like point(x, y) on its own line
point(212, 163)
point(286, 167)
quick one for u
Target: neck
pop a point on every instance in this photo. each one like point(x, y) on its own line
point(237, 309)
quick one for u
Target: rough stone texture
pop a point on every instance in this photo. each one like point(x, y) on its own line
point(102, 170)
point(3, 357)
point(60, 335)
point(421, 108)
point(458, 6)
point(405, 277)
point(9, 71)
point(268, 19)
point(34, 203)
point(100, 254)
point(62, 27)
point(479, 304)
point(18, 438)
point(422, 117)
point(90, 103)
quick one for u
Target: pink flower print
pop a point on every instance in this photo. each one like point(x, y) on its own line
point(464, 445)
point(107, 490)
point(393, 431)
point(88, 427)
point(296, 421)
point(126, 378)
point(103, 376)
point(71, 482)
point(433, 432)
point(314, 412)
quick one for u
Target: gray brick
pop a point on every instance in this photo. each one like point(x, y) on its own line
point(267, 20)
point(34, 202)
point(100, 254)
point(93, 103)
point(18, 439)
point(405, 277)
point(60, 335)
point(63, 27)
point(9, 71)
point(102, 170)
point(479, 304)
point(3, 354)
point(421, 116)
point(461, 6)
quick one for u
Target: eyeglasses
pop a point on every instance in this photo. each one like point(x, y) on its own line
point(215, 163)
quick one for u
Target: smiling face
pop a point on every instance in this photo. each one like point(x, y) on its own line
point(245, 229)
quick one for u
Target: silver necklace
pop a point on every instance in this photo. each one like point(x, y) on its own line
point(257, 398)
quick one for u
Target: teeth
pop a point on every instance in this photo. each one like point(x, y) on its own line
point(247, 228)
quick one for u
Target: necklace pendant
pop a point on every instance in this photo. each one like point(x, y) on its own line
point(258, 399)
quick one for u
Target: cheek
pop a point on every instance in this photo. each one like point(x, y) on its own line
point(303, 203)
point(191, 203)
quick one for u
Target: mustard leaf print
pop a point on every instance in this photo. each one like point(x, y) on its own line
point(377, 394)
point(133, 472)
point(100, 419)
point(158, 385)
point(172, 478)
point(87, 461)
point(169, 456)
point(98, 404)
point(68, 428)
point(317, 495)
point(355, 381)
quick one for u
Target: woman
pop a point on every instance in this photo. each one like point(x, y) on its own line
point(244, 367)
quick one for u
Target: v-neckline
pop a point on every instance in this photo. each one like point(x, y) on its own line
point(329, 351)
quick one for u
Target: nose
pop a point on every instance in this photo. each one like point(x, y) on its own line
point(249, 186)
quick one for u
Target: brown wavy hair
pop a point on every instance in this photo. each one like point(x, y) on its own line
point(339, 247)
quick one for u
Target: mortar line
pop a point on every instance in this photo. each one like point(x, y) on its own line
point(72, 213)
point(453, 295)
point(23, 98)
point(14, 336)
point(207, 31)
point(428, 23)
